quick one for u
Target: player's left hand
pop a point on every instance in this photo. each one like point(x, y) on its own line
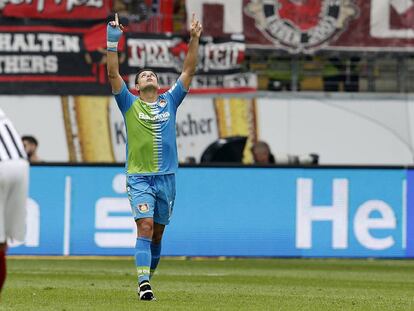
point(196, 27)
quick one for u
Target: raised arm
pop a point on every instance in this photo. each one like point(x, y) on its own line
point(190, 62)
point(113, 34)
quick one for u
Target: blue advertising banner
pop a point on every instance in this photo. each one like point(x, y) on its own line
point(310, 212)
point(288, 212)
point(45, 213)
point(410, 213)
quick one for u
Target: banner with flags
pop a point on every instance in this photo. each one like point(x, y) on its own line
point(307, 26)
point(57, 9)
point(219, 65)
point(72, 61)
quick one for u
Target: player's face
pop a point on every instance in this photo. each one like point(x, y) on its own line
point(147, 79)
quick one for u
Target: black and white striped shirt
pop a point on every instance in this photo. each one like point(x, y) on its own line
point(11, 146)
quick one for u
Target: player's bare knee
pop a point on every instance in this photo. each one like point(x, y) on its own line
point(145, 228)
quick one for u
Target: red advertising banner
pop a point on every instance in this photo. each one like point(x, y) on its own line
point(306, 26)
point(57, 9)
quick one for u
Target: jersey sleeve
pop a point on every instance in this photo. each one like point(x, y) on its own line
point(124, 98)
point(177, 93)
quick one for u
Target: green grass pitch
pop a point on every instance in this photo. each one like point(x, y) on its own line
point(210, 284)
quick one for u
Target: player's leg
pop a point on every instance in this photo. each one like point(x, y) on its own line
point(16, 202)
point(143, 248)
point(142, 200)
point(143, 257)
point(13, 196)
point(156, 246)
point(165, 187)
point(3, 237)
point(3, 270)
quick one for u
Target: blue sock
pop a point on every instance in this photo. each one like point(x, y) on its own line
point(143, 258)
point(155, 256)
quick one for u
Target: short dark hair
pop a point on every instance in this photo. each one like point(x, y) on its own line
point(30, 139)
point(141, 71)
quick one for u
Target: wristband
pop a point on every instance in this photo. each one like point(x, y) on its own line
point(111, 46)
point(113, 34)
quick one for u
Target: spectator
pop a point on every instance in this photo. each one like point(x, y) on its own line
point(262, 154)
point(190, 160)
point(30, 146)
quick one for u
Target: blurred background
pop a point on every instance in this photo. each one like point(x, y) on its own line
point(303, 83)
point(317, 81)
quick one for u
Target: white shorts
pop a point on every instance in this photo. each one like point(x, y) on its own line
point(14, 178)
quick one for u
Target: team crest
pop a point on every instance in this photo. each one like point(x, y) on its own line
point(143, 208)
point(301, 25)
point(162, 103)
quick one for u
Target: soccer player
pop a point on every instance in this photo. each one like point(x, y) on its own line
point(14, 172)
point(151, 148)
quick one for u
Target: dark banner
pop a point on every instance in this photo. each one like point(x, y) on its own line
point(57, 9)
point(305, 26)
point(70, 60)
point(53, 60)
point(219, 65)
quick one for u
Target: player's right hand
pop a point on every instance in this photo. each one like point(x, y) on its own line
point(114, 31)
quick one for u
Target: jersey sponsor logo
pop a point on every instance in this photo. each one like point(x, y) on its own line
point(162, 103)
point(158, 117)
point(301, 25)
point(143, 208)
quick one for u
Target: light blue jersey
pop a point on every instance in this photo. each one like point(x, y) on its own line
point(151, 138)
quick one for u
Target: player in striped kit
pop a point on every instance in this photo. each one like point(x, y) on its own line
point(14, 172)
point(151, 148)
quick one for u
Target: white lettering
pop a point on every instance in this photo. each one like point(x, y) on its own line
point(226, 81)
point(25, 66)
point(151, 53)
point(19, 43)
point(12, 64)
point(306, 213)
point(5, 39)
point(44, 39)
point(32, 237)
point(119, 184)
point(32, 224)
point(363, 223)
point(105, 221)
point(39, 42)
point(158, 117)
point(71, 44)
point(222, 56)
point(51, 63)
point(380, 19)
point(326, 27)
point(233, 14)
point(31, 42)
point(70, 4)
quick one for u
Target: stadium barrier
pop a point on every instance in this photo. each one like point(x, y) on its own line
point(228, 211)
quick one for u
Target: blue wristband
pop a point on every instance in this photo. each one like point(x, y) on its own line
point(112, 37)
